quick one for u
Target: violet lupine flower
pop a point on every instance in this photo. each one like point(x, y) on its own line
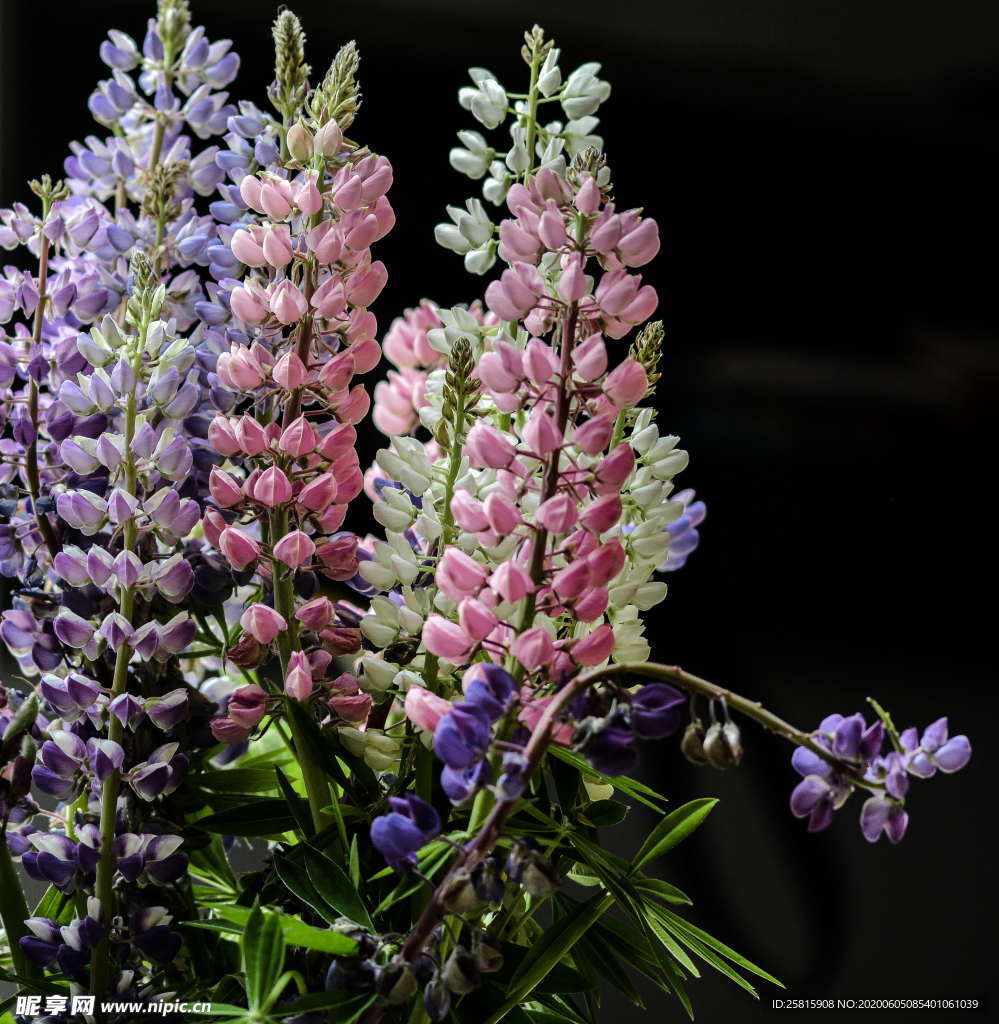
point(399, 835)
point(824, 788)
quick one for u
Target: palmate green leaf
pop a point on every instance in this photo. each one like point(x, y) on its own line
point(609, 967)
point(296, 880)
point(299, 810)
point(622, 783)
point(236, 780)
point(253, 818)
point(295, 932)
point(211, 866)
point(663, 890)
point(605, 813)
point(332, 884)
point(55, 905)
point(262, 947)
point(672, 830)
point(679, 924)
point(549, 950)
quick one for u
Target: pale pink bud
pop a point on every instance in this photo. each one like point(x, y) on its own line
point(249, 189)
point(516, 293)
point(290, 372)
point(615, 290)
point(593, 436)
point(605, 233)
point(476, 619)
point(363, 233)
point(262, 622)
point(572, 283)
point(588, 197)
point(502, 514)
point(486, 446)
point(595, 648)
point(298, 438)
point(571, 581)
point(551, 228)
point(331, 519)
point(616, 467)
point(459, 575)
point(511, 582)
point(307, 196)
point(247, 249)
point(348, 195)
point(239, 549)
point(325, 241)
point(239, 368)
point(295, 548)
point(277, 245)
point(495, 376)
point(558, 514)
point(288, 303)
point(425, 709)
point(251, 435)
point(600, 515)
point(272, 488)
point(533, 648)
point(329, 298)
point(541, 433)
point(468, 512)
point(590, 358)
point(316, 614)
point(640, 245)
point(366, 353)
point(352, 707)
point(366, 286)
point(642, 306)
point(355, 407)
point(222, 437)
point(275, 199)
point(339, 440)
point(298, 681)
point(213, 524)
point(224, 488)
point(318, 494)
point(539, 361)
point(606, 561)
point(626, 385)
point(339, 557)
point(247, 305)
point(328, 140)
point(247, 705)
point(592, 604)
point(445, 639)
point(225, 730)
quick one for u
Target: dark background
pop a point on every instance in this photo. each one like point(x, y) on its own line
point(824, 175)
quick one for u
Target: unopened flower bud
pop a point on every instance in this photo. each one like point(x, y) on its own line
point(692, 744)
point(396, 982)
point(460, 896)
point(722, 745)
point(460, 972)
point(300, 143)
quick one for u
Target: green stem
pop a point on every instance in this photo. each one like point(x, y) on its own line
point(31, 457)
point(532, 113)
point(316, 784)
point(13, 910)
point(100, 970)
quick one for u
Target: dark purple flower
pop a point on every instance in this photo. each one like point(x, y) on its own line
point(462, 735)
point(657, 711)
point(610, 750)
point(491, 688)
point(461, 784)
point(399, 835)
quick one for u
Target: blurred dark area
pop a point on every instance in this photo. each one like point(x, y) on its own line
point(824, 175)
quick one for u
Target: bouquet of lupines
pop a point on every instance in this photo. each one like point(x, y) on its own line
point(254, 760)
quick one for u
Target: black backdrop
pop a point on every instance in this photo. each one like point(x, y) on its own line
point(824, 177)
